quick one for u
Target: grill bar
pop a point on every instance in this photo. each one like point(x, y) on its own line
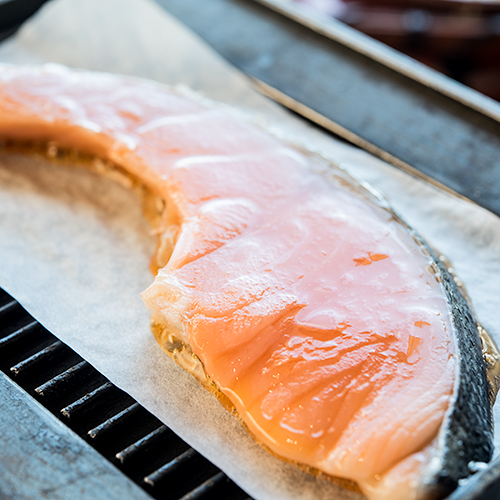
point(142, 444)
point(205, 487)
point(169, 468)
point(9, 307)
point(113, 423)
point(88, 399)
point(31, 361)
point(54, 384)
point(18, 334)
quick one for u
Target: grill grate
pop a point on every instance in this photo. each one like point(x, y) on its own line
point(110, 420)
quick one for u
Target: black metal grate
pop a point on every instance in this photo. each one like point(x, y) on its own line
point(110, 420)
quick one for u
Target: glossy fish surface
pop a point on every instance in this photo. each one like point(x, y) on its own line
point(297, 297)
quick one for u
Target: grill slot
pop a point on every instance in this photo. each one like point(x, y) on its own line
point(150, 453)
point(50, 358)
point(91, 409)
point(204, 488)
point(123, 429)
point(172, 478)
point(110, 420)
point(219, 486)
point(95, 406)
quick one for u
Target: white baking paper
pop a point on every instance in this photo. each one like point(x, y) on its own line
point(75, 248)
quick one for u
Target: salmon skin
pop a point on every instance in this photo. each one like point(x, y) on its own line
point(301, 300)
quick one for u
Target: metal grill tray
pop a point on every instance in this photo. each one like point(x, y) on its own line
point(107, 418)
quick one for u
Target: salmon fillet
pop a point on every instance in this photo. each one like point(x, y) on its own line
point(298, 298)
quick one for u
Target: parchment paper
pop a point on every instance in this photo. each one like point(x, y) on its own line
point(75, 249)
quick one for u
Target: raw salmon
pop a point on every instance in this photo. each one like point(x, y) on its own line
point(299, 299)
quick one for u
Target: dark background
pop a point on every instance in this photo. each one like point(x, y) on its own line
point(458, 38)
